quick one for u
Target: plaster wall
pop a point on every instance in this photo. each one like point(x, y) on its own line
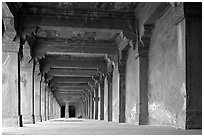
point(132, 88)
point(9, 89)
point(167, 84)
point(115, 110)
point(105, 99)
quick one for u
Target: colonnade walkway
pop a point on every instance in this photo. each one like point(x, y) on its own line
point(73, 126)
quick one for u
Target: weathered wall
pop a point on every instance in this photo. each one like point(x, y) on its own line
point(115, 101)
point(9, 88)
point(105, 99)
point(26, 96)
point(132, 89)
point(167, 72)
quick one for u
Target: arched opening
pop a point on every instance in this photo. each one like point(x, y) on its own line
point(62, 111)
point(71, 111)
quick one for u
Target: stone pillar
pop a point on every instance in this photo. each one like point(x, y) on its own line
point(51, 105)
point(67, 110)
point(102, 98)
point(45, 103)
point(122, 80)
point(143, 84)
point(33, 93)
point(37, 96)
point(192, 31)
point(90, 105)
point(96, 101)
point(93, 104)
point(110, 92)
point(43, 100)
point(48, 100)
point(19, 93)
point(40, 100)
point(11, 91)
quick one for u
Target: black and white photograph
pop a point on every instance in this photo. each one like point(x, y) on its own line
point(101, 68)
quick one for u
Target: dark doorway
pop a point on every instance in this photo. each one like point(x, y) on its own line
point(62, 111)
point(71, 111)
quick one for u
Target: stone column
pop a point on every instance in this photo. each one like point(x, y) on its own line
point(67, 110)
point(33, 93)
point(143, 74)
point(51, 105)
point(45, 103)
point(48, 100)
point(96, 101)
point(143, 83)
point(102, 98)
point(19, 93)
point(110, 87)
point(93, 104)
point(122, 80)
point(43, 100)
point(90, 104)
point(40, 100)
point(190, 27)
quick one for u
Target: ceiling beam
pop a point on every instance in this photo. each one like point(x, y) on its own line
point(46, 64)
point(31, 18)
point(71, 72)
point(70, 80)
point(41, 48)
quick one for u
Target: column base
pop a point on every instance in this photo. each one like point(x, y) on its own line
point(44, 118)
point(20, 120)
point(10, 121)
point(38, 118)
point(33, 119)
point(27, 119)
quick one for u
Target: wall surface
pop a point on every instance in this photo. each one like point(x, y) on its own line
point(132, 88)
point(167, 82)
point(115, 113)
point(9, 89)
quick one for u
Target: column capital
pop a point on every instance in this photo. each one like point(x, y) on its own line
point(144, 44)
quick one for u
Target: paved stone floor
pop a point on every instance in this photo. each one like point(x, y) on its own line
point(92, 127)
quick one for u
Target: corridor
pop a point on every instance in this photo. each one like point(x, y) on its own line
point(75, 126)
point(102, 67)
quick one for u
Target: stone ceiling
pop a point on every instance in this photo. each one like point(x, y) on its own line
point(73, 42)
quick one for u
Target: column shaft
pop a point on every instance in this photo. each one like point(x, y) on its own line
point(67, 110)
point(33, 93)
point(96, 102)
point(19, 94)
point(102, 99)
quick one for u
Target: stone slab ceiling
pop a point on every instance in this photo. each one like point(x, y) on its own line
point(72, 40)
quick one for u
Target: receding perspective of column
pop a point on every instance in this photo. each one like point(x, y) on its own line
point(102, 98)
point(40, 100)
point(96, 101)
point(33, 93)
point(67, 110)
point(122, 80)
point(110, 80)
